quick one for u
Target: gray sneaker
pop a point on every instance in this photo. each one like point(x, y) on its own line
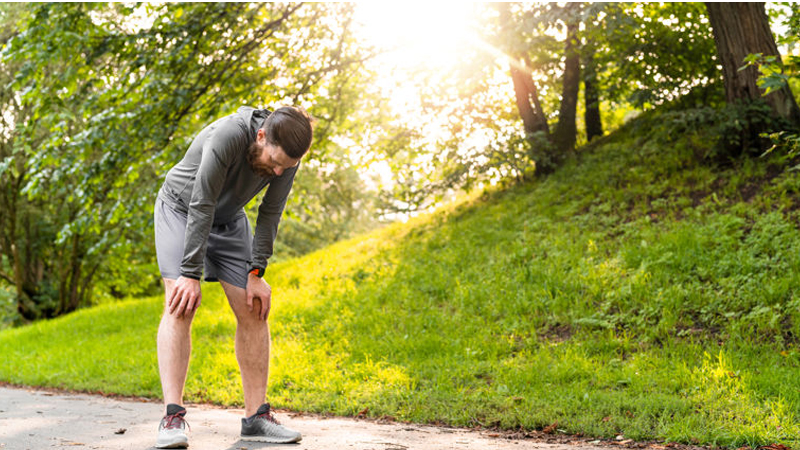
point(263, 427)
point(172, 429)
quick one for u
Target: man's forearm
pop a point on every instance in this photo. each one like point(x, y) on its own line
point(269, 216)
point(264, 239)
point(198, 227)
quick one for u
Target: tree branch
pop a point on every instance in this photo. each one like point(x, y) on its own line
point(8, 278)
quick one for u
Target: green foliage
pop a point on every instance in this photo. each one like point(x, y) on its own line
point(775, 73)
point(789, 143)
point(772, 70)
point(636, 291)
point(102, 99)
point(330, 202)
point(646, 54)
point(661, 50)
point(733, 130)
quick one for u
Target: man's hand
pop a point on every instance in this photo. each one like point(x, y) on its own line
point(185, 296)
point(258, 288)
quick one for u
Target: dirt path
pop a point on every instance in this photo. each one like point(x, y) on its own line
point(31, 419)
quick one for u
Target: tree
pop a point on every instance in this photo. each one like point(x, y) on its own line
point(592, 118)
point(99, 104)
point(523, 38)
point(525, 91)
point(527, 97)
point(566, 132)
point(591, 92)
point(646, 54)
point(741, 29)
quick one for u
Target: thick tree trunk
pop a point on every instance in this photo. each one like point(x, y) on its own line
point(526, 95)
point(566, 130)
point(594, 124)
point(527, 98)
point(540, 123)
point(524, 107)
point(741, 29)
point(525, 91)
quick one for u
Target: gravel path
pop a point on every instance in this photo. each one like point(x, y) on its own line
point(33, 419)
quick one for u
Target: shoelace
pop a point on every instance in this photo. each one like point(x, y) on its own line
point(268, 416)
point(175, 421)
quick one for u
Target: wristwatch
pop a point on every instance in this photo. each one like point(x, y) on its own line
point(257, 271)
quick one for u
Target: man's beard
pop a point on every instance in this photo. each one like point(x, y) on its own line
point(253, 153)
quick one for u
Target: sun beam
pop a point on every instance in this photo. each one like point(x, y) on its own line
point(431, 35)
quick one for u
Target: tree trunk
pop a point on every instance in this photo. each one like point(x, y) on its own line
point(741, 29)
point(527, 97)
point(533, 93)
point(566, 131)
point(525, 91)
point(594, 124)
point(70, 294)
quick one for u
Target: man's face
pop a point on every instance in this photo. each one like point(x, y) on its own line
point(268, 160)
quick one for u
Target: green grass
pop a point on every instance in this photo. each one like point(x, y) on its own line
point(635, 291)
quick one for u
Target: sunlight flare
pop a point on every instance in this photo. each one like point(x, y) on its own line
point(417, 34)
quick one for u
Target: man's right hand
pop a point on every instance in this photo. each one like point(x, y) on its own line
point(185, 296)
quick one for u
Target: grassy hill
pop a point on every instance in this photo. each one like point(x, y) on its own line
point(637, 291)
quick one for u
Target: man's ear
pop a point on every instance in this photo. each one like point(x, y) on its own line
point(260, 134)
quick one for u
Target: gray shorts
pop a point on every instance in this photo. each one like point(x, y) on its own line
point(227, 252)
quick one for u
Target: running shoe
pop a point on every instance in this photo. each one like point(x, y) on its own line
point(172, 429)
point(263, 427)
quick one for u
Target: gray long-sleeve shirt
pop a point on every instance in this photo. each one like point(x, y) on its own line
point(213, 183)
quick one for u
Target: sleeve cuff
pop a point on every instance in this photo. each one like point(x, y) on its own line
point(257, 271)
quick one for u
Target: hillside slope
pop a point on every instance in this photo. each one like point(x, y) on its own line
point(635, 291)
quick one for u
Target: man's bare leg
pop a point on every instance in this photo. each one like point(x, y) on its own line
point(174, 350)
point(252, 347)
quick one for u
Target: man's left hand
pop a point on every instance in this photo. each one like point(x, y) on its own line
point(258, 288)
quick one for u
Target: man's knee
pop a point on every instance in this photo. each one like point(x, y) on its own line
point(237, 299)
point(246, 317)
point(171, 319)
point(186, 317)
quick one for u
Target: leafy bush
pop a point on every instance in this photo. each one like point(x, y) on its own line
point(732, 130)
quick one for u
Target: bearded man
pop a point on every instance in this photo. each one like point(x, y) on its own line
point(201, 230)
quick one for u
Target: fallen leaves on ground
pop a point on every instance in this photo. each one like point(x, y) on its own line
point(774, 446)
point(550, 428)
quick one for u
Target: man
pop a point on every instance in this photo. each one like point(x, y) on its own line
point(200, 226)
